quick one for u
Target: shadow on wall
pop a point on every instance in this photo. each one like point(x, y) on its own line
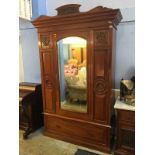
point(127, 75)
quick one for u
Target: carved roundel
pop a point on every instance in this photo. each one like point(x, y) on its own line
point(99, 85)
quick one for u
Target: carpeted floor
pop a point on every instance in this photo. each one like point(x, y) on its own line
point(38, 144)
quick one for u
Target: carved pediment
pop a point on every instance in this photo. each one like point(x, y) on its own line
point(100, 13)
point(68, 9)
point(99, 9)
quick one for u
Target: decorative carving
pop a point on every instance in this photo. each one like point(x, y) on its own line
point(68, 9)
point(99, 85)
point(113, 15)
point(44, 41)
point(101, 38)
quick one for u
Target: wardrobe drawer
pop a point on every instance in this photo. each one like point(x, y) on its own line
point(76, 129)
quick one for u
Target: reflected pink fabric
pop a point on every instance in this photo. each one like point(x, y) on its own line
point(70, 70)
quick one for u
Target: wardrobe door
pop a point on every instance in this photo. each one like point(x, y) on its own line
point(72, 73)
point(101, 75)
point(46, 57)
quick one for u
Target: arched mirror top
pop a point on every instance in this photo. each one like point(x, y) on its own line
point(73, 37)
point(75, 40)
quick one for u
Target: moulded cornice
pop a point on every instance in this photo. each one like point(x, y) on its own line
point(96, 14)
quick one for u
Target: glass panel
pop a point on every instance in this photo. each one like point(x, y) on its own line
point(72, 55)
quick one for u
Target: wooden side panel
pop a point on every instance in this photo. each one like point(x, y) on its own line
point(46, 63)
point(101, 75)
point(101, 63)
point(49, 99)
point(47, 70)
point(100, 110)
point(113, 55)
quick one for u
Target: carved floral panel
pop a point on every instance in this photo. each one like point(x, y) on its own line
point(44, 41)
point(101, 38)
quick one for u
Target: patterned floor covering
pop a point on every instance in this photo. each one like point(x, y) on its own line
point(38, 144)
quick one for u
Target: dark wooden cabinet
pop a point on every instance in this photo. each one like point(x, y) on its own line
point(30, 107)
point(125, 143)
point(97, 26)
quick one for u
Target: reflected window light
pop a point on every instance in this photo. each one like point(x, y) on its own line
point(75, 40)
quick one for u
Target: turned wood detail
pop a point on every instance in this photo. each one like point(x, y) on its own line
point(99, 85)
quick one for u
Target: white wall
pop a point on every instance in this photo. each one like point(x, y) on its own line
point(21, 67)
point(125, 52)
point(30, 51)
point(88, 4)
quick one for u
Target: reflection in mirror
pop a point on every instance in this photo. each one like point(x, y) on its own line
point(73, 73)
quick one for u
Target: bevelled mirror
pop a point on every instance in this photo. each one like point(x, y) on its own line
point(72, 59)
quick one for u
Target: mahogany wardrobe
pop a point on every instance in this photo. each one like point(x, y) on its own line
point(77, 57)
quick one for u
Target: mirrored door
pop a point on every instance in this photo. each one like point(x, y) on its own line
point(72, 60)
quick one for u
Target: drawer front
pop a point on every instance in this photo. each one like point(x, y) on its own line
point(127, 139)
point(77, 129)
point(126, 116)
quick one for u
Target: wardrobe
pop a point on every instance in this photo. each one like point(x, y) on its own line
point(77, 61)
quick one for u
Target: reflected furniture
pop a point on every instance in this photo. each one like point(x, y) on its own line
point(77, 92)
point(98, 27)
point(30, 107)
point(125, 142)
point(76, 87)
